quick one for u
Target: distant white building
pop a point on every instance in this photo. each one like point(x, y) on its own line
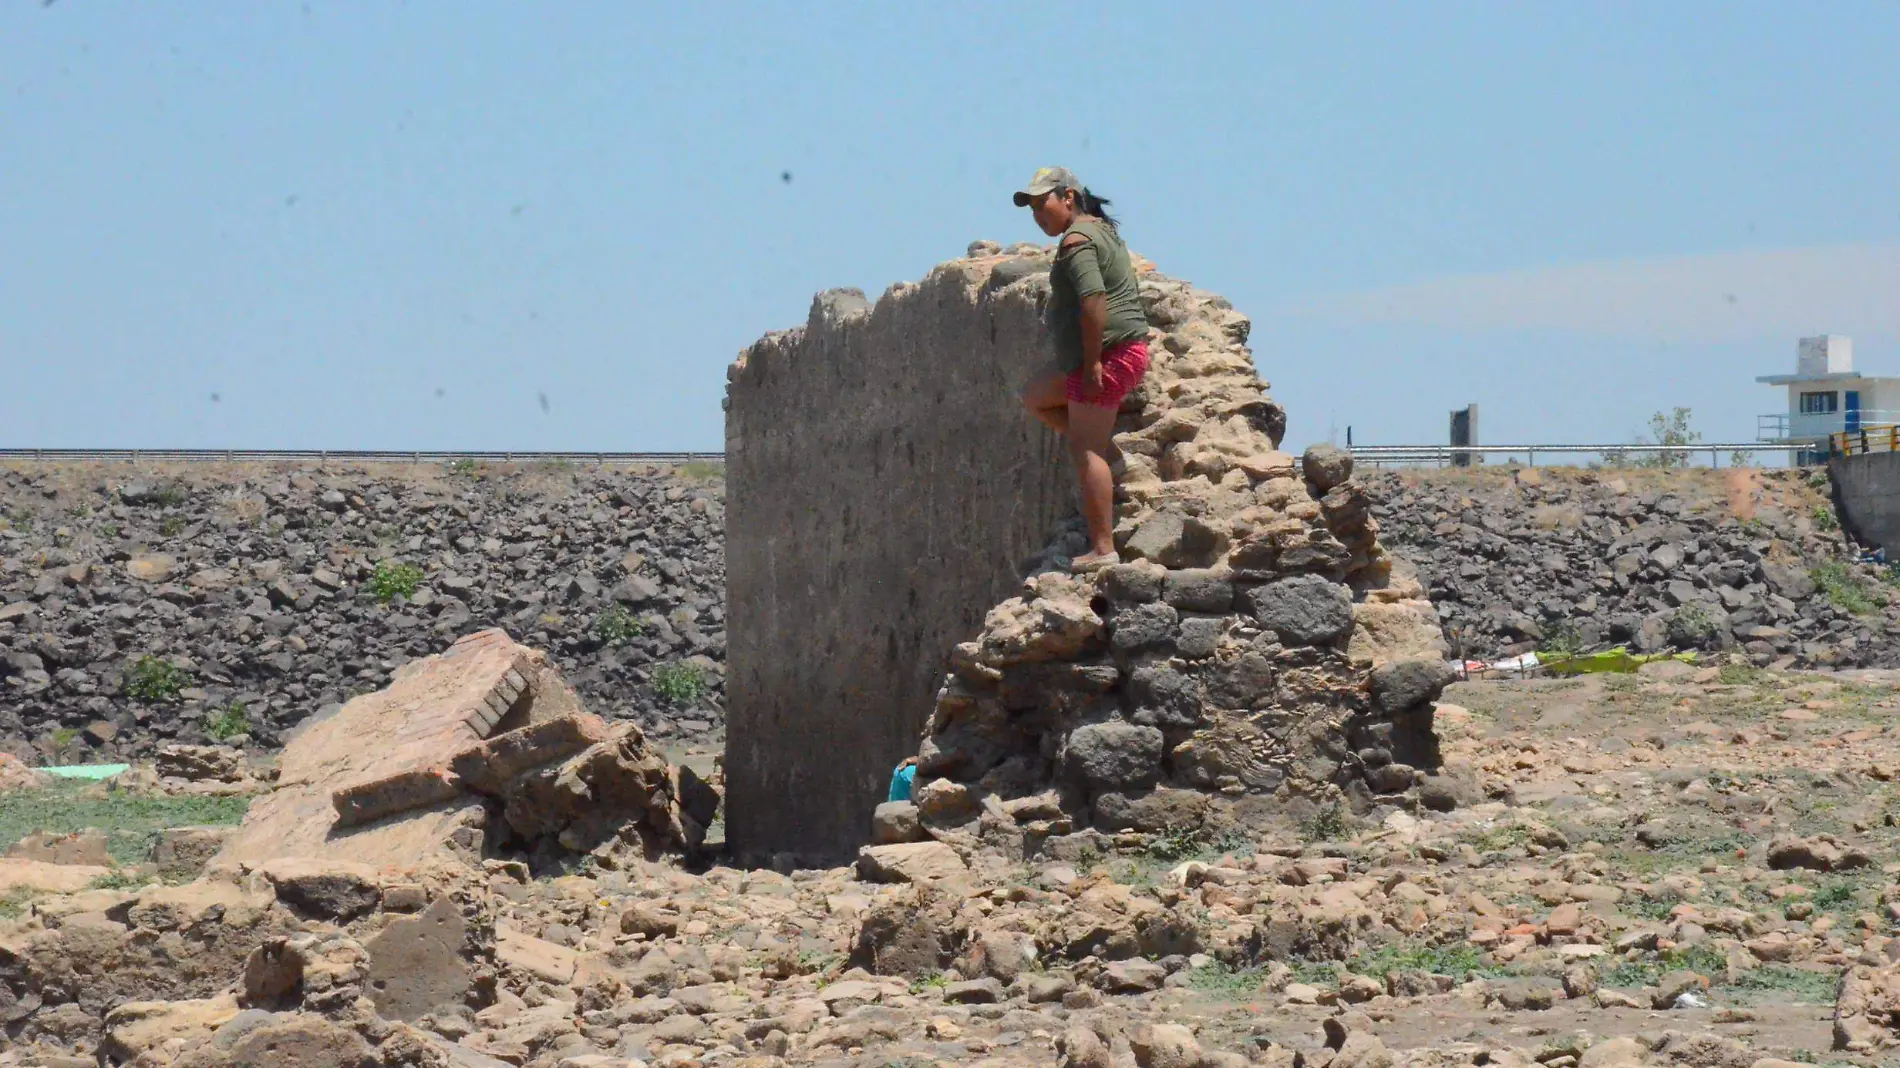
point(1827, 396)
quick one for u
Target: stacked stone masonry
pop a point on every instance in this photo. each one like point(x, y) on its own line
point(885, 489)
point(1257, 653)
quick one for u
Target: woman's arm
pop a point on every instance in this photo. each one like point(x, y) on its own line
point(1085, 270)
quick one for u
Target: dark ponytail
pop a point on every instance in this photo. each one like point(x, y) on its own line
point(1096, 206)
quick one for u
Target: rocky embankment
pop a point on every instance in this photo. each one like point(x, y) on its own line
point(1748, 560)
point(140, 605)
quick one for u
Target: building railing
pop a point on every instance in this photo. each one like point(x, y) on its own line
point(1818, 426)
point(1865, 440)
point(1445, 455)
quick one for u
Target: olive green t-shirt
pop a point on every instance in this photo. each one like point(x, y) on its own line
point(1098, 265)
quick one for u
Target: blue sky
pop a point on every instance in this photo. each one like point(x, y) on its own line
point(401, 224)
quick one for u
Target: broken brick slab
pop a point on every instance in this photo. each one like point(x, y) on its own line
point(482, 769)
point(434, 708)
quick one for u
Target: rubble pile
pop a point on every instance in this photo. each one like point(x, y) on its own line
point(480, 749)
point(1745, 560)
point(141, 605)
point(1257, 653)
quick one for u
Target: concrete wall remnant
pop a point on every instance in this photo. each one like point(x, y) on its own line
point(883, 489)
point(1233, 657)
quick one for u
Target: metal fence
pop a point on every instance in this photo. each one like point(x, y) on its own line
point(1444, 455)
point(1864, 440)
point(370, 456)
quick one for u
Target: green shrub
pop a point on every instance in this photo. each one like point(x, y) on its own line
point(679, 684)
point(64, 737)
point(1562, 638)
point(1825, 519)
point(617, 624)
point(1692, 627)
point(1843, 588)
point(228, 722)
point(392, 580)
point(168, 496)
point(152, 680)
point(171, 526)
point(1327, 825)
point(118, 880)
point(461, 466)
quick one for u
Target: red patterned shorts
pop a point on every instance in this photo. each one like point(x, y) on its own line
point(1123, 366)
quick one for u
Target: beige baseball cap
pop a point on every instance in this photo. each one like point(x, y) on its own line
point(1047, 180)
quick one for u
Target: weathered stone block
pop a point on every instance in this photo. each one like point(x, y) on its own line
point(1113, 756)
point(1304, 609)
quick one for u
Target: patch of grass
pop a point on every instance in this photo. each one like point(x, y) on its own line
point(1198, 843)
point(228, 722)
point(13, 902)
point(1224, 981)
point(1561, 639)
point(171, 526)
point(1461, 961)
point(1653, 907)
point(461, 465)
point(1704, 960)
point(1843, 588)
point(617, 624)
point(1329, 824)
point(168, 496)
point(64, 737)
point(152, 680)
point(118, 880)
point(701, 469)
point(1692, 627)
point(1742, 673)
point(129, 820)
point(679, 684)
point(392, 580)
point(1499, 839)
point(1825, 519)
point(937, 981)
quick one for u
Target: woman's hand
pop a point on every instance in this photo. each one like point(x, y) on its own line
point(1092, 375)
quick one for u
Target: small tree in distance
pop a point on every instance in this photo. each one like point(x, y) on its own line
point(1669, 430)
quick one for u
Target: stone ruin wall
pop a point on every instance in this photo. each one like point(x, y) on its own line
point(1258, 648)
point(884, 490)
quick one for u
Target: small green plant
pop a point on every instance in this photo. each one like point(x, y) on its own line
point(1740, 673)
point(168, 496)
point(1843, 588)
point(1197, 843)
point(64, 737)
point(1825, 519)
point(152, 680)
point(701, 469)
point(108, 530)
point(171, 526)
point(1692, 627)
point(1670, 430)
point(1327, 825)
point(461, 465)
point(391, 580)
point(21, 520)
point(228, 722)
point(679, 684)
point(1461, 961)
point(118, 880)
point(1562, 638)
point(1225, 981)
point(617, 624)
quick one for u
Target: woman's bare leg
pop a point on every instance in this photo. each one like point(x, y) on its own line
point(1090, 429)
point(1047, 398)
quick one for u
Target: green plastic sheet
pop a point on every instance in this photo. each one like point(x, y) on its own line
point(1618, 660)
point(88, 771)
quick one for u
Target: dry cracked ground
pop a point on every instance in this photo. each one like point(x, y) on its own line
point(1672, 868)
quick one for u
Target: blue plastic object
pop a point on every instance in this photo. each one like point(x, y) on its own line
point(900, 782)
